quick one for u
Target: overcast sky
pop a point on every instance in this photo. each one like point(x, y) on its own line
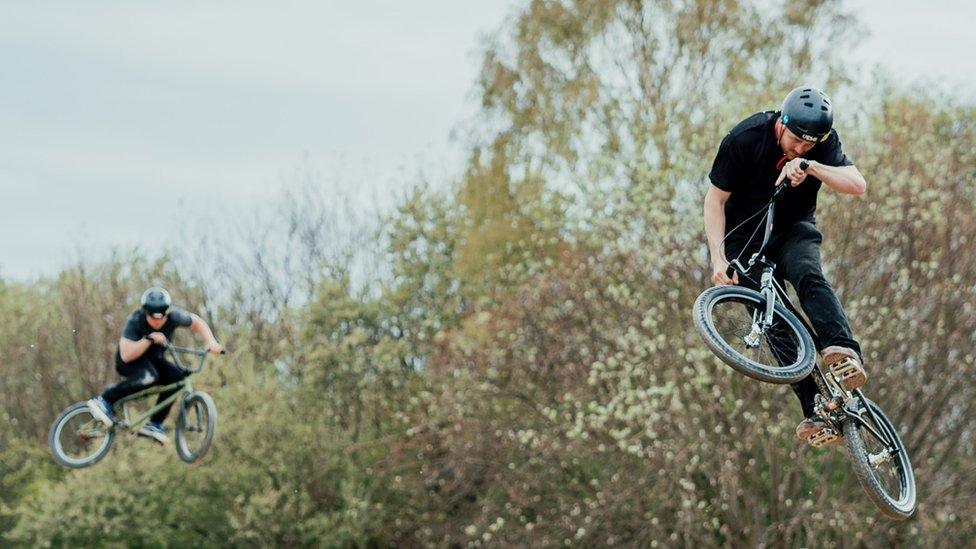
point(118, 118)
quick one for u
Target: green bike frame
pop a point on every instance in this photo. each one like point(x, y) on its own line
point(183, 387)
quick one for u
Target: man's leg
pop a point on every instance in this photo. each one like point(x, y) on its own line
point(799, 262)
point(168, 373)
point(139, 374)
point(806, 389)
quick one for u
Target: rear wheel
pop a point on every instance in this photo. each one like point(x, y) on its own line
point(880, 461)
point(195, 426)
point(725, 315)
point(79, 440)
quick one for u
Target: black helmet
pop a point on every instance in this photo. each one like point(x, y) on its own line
point(807, 113)
point(155, 301)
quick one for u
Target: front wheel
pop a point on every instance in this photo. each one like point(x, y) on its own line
point(195, 426)
point(880, 461)
point(725, 317)
point(79, 440)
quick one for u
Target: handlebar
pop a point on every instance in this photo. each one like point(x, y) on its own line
point(783, 185)
point(175, 351)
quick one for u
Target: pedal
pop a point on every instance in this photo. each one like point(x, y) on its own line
point(849, 372)
point(824, 437)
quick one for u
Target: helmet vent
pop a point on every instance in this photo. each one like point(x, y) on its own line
point(807, 90)
point(809, 105)
point(805, 96)
point(824, 109)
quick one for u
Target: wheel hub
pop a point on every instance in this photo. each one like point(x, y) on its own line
point(752, 340)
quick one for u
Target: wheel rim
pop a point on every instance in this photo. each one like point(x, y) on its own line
point(194, 428)
point(732, 319)
point(887, 465)
point(80, 437)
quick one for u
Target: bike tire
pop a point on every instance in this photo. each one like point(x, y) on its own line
point(767, 370)
point(56, 441)
point(877, 487)
point(192, 448)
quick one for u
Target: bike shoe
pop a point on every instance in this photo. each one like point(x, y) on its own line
point(845, 365)
point(816, 432)
point(101, 410)
point(154, 431)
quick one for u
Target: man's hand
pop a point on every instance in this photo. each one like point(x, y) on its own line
point(793, 172)
point(718, 273)
point(214, 347)
point(158, 338)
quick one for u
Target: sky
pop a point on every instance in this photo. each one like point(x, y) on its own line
point(120, 122)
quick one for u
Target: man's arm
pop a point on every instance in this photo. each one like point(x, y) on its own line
point(202, 331)
point(130, 350)
point(714, 212)
point(843, 179)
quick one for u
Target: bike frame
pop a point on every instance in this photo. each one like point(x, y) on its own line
point(183, 387)
point(768, 286)
point(838, 407)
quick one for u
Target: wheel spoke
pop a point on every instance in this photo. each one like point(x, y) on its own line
point(79, 437)
point(194, 430)
point(882, 457)
point(734, 318)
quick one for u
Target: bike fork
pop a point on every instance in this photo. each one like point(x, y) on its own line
point(761, 323)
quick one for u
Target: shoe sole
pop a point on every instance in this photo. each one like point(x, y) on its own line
point(97, 413)
point(847, 370)
point(824, 437)
point(158, 439)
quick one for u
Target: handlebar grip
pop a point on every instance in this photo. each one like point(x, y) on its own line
point(804, 165)
point(729, 271)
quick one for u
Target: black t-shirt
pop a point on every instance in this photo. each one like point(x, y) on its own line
point(137, 327)
point(746, 166)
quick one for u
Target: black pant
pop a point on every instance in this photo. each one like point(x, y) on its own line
point(796, 253)
point(143, 373)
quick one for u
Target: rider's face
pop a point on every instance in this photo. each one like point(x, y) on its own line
point(793, 146)
point(156, 323)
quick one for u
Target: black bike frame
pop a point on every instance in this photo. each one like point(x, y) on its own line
point(735, 265)
point(767, 281)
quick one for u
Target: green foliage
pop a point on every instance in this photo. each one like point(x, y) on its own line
point(25, 469)
point(58, 337)
point(275, 477)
